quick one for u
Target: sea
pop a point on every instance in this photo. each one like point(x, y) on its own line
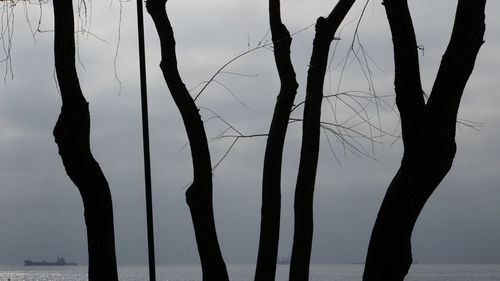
point(349, 272)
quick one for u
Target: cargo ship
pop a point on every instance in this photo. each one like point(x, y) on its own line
point(60, 262)
point(283, 260)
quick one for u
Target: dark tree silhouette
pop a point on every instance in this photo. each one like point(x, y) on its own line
point(71, 134)
point(304, 190)
point(271, 178)
point(428, 131)
point(199, 194)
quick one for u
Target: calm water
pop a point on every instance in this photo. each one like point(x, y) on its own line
point(245, 273)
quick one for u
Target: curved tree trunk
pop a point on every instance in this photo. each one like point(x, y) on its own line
point(428, 132)
point(71, 134)
point(389, 256)
point(303, 206)
point(271, 177)
point(199, 194)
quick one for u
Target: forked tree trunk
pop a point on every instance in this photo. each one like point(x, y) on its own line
point(271, 176)
point(303, 206)
point(428, 132)
point(71, 134)
point(199, 194)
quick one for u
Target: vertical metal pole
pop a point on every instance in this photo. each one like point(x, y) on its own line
point(145, 138)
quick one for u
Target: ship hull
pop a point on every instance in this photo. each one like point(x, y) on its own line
point(59, 262)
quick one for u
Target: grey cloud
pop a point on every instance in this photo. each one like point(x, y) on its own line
point(40, 209)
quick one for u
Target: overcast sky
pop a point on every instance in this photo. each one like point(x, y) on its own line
point(41, 214)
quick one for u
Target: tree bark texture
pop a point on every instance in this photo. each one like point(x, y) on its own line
point(303, 205)
point(271, 178)
point(72, 132)
point(428, 132)
point(199, 194)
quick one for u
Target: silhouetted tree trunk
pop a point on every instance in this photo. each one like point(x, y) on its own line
point(271, 178)
point(199, 194)
point(428, 131)
point(303, 206)
point(71, 134)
